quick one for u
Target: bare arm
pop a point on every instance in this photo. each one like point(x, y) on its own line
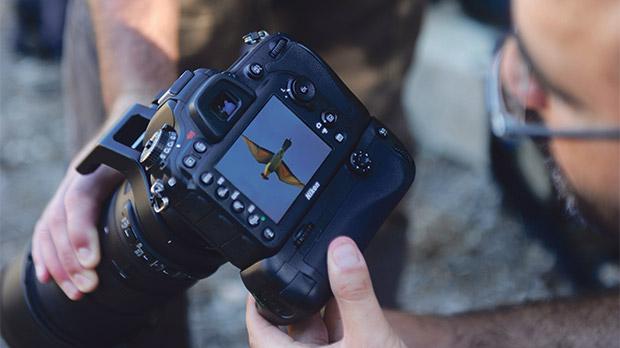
point(138, 48)
point(588, 322)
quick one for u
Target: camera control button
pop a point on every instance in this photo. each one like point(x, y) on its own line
point(251, 208)
point(222, 192)
point(301, 235)
point(383, 132)
point(278, 48)
point(255, 71)
point(253, 220)
point(206, 178)
point(303, 90)
point(329, 118)
point(268, 234)
point(360, 162)
point(200, 146)
point(340, 137)
point(237, 206)
point(178, 85)
point(190, 161)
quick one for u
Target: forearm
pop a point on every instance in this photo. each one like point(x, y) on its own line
point(137, 46)
point(589, 322)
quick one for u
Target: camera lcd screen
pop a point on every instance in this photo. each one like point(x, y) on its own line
point(273, 159)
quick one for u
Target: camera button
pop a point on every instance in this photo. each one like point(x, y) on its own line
point(253, 220)
point(268, 234)
point(255, 71)
point(340, 137)
point(222, 192)
point(301, 235)
point(251, 208)
point(235, 195)
point(237, 206)
point(206, 178)
point(329, 118)
point(178, 85)
point(190, 161)
point(383, 132)
point(200, 146)
point(303, 90)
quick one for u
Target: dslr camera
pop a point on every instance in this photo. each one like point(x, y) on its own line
point(261, 165)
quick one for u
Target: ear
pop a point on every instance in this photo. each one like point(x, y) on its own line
point(534, 97)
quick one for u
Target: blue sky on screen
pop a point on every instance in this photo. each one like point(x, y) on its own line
point(273, 124)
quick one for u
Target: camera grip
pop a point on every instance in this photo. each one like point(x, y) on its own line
point(293, 284)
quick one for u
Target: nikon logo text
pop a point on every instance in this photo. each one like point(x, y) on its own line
point(311, 191)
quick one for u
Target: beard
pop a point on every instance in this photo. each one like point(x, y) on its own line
point(566, 194)
point(580, 209)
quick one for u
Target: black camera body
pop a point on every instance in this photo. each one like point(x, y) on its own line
point(265, 164)
point(261, 165)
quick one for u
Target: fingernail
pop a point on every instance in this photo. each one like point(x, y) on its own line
point(85, 256)
point(69, 289)
point(85, 281)
point(346, 255)
point(39, 270)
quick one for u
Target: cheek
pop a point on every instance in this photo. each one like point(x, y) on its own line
point(592, 168)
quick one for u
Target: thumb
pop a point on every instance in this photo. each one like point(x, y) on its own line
point(362, 317)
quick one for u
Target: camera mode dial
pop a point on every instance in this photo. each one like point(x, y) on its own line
point(158, 147)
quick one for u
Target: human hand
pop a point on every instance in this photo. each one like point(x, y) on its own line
point(353, 319)
point(65, 243)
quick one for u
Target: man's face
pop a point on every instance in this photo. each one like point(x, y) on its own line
point(574, 46)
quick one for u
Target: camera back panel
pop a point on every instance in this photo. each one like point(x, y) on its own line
point(274, 133)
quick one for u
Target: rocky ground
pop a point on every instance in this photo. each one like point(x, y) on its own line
point(466, 251)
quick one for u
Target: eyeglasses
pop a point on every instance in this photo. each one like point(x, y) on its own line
point(510, 116)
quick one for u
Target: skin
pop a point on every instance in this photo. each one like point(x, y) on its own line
point(65, 246)
point(575, 45)
point(580, 54)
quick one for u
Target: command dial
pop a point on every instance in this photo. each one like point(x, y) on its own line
point(158, 147)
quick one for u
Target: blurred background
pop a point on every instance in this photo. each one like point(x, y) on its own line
point(485, 230)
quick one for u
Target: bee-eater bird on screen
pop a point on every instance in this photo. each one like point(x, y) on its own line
point(273, 162)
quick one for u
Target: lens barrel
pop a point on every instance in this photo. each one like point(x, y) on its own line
point(127, 300)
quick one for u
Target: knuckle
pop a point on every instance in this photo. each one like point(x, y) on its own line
point(74, 197)
point(56, 271)
point(68, 261)
point(36, 235)
point(55, 219)
point(39, 240)
point(354, 290)
point(77, 230)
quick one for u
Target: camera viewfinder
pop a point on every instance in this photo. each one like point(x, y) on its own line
point(224, 105)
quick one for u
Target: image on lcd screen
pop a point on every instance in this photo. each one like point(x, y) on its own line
point(273, 159)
